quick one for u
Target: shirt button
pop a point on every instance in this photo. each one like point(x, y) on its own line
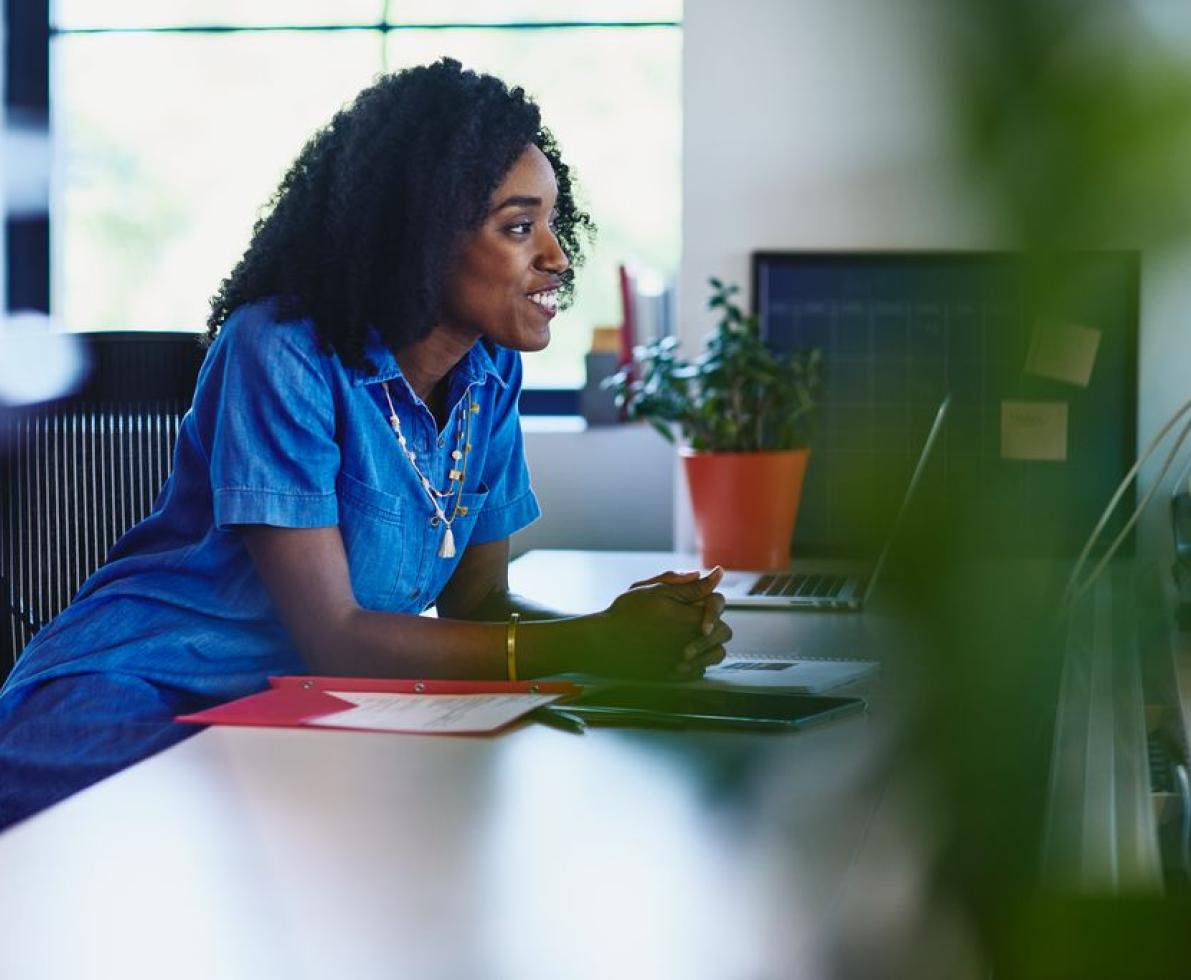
point(434, 521)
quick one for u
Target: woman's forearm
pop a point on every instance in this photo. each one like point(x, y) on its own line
point(653, 630)
point(499, 604)
point(367, 643)
point(305, 572)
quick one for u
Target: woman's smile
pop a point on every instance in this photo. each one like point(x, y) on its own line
point(546, 300)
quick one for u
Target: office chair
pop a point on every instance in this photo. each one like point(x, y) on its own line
point(76, 474)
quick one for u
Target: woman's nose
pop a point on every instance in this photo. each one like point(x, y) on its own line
point(552, 258)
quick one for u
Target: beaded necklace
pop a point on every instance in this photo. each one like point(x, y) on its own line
point(455, 477)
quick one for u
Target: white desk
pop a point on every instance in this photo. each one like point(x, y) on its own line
point(264, 853)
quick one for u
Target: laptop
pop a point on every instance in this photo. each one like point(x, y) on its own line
point(827, 590)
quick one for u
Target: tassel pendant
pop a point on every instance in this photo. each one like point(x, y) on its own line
point(447, 548)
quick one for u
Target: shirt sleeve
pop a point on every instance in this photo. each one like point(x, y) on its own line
point(267, 411)
point(511, 504)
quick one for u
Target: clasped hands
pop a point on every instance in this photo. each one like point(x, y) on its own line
point(668, 626)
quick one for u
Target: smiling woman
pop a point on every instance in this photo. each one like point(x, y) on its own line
point(353, 454)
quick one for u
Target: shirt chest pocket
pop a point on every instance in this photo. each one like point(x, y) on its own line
point(375, 531)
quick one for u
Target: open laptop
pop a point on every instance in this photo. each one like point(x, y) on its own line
point(829, 591)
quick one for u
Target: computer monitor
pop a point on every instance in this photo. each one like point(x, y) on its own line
point(1038, 352)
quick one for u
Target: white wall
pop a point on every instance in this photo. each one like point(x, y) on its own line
point(604, 488)
point(811, 124)
point(1164, 361)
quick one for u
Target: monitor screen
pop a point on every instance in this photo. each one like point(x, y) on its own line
point(1039, 355)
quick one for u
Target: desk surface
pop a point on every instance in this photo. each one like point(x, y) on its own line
point(267, 853)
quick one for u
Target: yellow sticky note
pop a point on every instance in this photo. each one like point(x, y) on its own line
point(1063, 351)
point(1034, 430)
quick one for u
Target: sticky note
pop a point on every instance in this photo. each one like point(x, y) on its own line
point(1063, 351)
point(1034, 430)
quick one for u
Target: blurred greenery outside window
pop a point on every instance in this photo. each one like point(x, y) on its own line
point(173, 124)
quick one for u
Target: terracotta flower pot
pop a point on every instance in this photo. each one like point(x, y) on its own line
point(745, 505)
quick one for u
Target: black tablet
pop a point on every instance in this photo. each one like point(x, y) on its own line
point(662, 706)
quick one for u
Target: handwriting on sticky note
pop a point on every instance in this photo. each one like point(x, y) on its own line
point(1063, 351)
point(1034, 430)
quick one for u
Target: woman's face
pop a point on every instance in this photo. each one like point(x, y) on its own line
point(505, 282)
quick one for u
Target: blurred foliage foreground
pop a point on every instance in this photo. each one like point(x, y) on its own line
point(1075, 119)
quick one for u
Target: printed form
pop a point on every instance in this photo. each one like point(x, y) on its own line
point(430, 713)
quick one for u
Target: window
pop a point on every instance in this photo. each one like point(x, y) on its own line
point(174, 122)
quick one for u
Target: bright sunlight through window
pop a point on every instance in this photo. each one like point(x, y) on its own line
point(174, 122)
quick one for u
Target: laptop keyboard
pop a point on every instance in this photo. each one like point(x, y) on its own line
point(757, 665)
point(791, 584)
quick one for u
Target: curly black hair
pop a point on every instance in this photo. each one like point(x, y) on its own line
point(366, 224)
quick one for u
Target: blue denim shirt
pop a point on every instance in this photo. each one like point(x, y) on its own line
point(281, 433)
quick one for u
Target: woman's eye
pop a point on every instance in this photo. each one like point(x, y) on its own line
point(521, 228)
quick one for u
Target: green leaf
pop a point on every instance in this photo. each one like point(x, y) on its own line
point(662, 428)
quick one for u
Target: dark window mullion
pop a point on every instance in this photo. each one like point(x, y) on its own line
point(27, 103)
point(384, 28)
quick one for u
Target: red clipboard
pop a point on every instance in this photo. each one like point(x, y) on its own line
point(298, 701)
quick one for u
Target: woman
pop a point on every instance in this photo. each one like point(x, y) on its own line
point(353, 454)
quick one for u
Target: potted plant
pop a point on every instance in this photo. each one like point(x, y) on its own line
point(745, 415)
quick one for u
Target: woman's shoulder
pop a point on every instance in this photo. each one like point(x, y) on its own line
point(264, 328)
point(261, 317)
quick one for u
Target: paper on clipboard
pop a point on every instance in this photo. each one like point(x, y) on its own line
point(412, 706)
point(440, 714)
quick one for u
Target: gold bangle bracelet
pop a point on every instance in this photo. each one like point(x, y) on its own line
point(511, 645)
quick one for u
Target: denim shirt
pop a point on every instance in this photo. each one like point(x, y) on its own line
point(281, 433)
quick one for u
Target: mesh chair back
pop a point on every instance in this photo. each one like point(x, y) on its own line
point(76, 475)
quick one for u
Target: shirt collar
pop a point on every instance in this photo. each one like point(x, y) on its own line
point(475, 368)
